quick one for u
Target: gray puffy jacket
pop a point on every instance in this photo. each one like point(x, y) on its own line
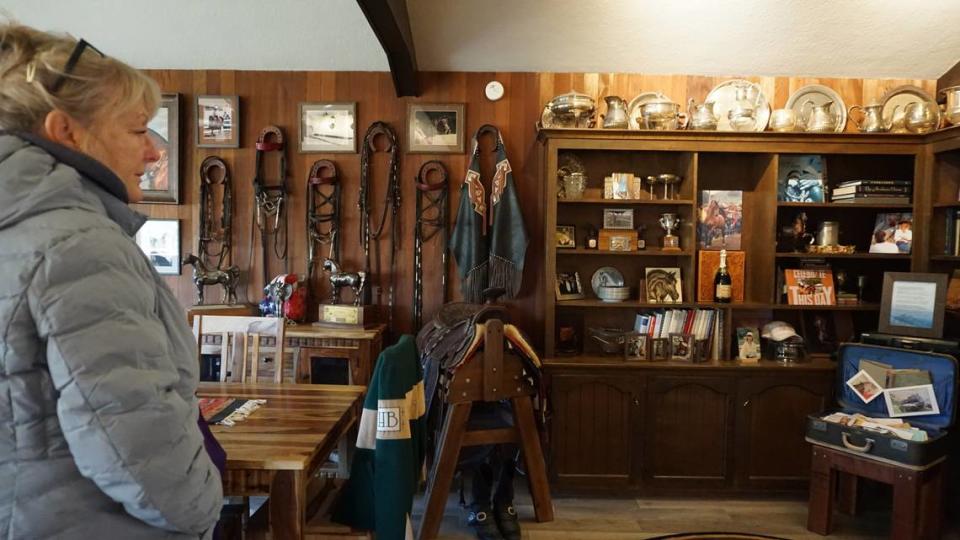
point(98, 369)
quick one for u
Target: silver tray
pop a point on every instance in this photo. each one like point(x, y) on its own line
point(633, 109)
point(725, 94)
point(819, 94)
point(606, 276)
point(899, 98)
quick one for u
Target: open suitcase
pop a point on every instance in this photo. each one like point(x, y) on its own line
point(884, 446)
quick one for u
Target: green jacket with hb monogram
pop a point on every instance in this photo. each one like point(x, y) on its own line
point(390, 447)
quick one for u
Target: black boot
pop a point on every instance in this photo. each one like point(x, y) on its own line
point(503, 510)
point(481, 518)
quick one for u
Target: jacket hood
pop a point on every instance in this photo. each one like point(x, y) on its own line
point(37, 176)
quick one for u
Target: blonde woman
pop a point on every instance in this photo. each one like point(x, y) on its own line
point(99, 434)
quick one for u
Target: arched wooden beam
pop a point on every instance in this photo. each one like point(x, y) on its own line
point(390, 23)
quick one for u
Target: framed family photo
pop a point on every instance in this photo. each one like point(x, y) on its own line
point(328, 127)
point(435, 129)
point(569, 286)
point(159, 239)
point(160, 181)
point(218, 122)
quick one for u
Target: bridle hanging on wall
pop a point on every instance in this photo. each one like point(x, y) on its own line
point(271, 200)
point(210, 235)
point(323, 212)
point(432, 218)
point(391, 203)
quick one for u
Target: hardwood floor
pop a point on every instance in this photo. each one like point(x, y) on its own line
point(631, 518)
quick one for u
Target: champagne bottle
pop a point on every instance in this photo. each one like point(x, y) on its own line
point(722, 282)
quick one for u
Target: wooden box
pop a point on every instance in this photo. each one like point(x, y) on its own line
point(707, 266)
point(617, 240)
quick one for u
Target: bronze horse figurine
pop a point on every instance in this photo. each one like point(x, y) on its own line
point(228, 278)
point(338, 279)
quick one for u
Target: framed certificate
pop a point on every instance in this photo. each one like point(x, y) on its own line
point(913, 304)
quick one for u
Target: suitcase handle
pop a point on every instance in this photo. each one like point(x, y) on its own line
point(850, 446)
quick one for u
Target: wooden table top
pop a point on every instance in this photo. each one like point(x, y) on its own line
point(315, 331)
point(296, 423)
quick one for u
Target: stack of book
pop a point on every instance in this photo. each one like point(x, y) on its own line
point(847, 299)
point(873, 192)
point(951, 245)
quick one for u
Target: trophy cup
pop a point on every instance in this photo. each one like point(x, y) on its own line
point(670, 222)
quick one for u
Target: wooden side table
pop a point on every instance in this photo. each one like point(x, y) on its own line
point(917, 492)
point(359, 347)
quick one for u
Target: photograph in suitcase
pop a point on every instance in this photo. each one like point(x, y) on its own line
point(882, 435)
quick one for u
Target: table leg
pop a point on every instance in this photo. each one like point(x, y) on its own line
point(287, 505)
point(931, 501)
point(848, 492)
point(906, 498)
point(823, 485)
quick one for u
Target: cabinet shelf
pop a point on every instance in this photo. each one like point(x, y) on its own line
point(638, 253)
point(844, 205)
point(948, 258)
point(636, 304)
point(954, 204)
point(788, 255)
point(638, 202)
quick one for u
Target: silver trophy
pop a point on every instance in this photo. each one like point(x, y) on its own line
point(670, 222)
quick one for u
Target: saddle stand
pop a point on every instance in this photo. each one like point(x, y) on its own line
point(488, 376)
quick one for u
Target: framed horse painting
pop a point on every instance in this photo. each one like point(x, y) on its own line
point(159, 239)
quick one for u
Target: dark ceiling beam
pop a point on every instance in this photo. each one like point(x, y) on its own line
point(950, 78)
point(390, 23)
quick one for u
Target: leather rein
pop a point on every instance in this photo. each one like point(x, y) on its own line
point(271, 199)
point(210, 233)
point(323, 212)
point(432, 220)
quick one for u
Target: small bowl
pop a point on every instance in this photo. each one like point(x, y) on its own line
point(613, 294)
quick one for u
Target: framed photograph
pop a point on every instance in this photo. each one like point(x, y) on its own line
point(435, 129)
point(748, 344)
point(911, 401)
point(635, 347)
point(328, 127)
point(663, 286)
point(160, 241)
point(568, 286)
point(801, 178)
point(720, 221)
point(160, 181)
point(913, 304)
point(218, 122)
point(681, 347)
point(566, 236)
point(864, 386)
point(621, 243)
point(892, 233)
point(660, 349)
point(618, 218)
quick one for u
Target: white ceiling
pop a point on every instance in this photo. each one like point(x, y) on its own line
point(827, 38)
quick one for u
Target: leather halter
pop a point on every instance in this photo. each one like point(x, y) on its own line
point(391, 203)
point(323, 211)
point(271, 199)
point(431, 220)
point(208, 226)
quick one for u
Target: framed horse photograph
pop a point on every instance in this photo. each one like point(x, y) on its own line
point(159, 239)
point(218, 122)
point(435, 129)
point(720, 219)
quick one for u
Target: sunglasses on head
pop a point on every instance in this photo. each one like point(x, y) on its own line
point(81, 46)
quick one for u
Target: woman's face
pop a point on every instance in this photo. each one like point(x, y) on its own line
point(125, 147)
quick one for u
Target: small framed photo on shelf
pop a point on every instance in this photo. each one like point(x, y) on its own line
point(681, 347)
point(435, 129)
point(748, 345)
point(659, 349)
point(635, 347)
point(328, 127)
point(801, 178)
point(892, 233)
point(911, 401)
point(913, 304)
point(159, 239)
point(566, 236)
point(663, 286)
point(569, 286)
point(160, 181)
point(618, 218)
point(218, 122)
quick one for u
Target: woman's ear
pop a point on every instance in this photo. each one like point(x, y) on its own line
point(61, 128)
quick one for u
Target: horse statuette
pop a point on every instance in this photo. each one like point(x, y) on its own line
point(228, 279)
point(338, 279)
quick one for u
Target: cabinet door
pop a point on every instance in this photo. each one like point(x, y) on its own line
point(593, 429)
point(771, 424)
point(688, 432)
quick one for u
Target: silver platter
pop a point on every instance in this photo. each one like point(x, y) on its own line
point(819, 94)
point(605, 276)
point(724, 95)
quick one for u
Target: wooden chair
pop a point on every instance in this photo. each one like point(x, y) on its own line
point(244, 351)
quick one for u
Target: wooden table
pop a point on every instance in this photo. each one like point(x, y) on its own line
point(277, 450)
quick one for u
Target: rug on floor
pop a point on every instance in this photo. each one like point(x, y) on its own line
point(716, 536)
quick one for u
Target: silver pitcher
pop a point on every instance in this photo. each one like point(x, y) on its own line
point(743, 114)
point(951, 110)
point(920, 117)
point(872, 121)
point(701, 116)
point(819, 118)
point(616, 117)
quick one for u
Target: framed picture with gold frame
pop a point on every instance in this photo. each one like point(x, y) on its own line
point(435, 128)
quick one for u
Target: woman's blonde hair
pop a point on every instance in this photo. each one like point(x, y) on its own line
point(96, 89)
